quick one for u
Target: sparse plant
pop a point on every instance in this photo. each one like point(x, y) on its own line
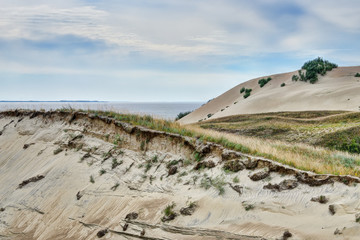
point(115, 186)
point(58, 150)
point(169, 209)
point(118, 140)
point(205, 182)
point(357, 75)
point(115, 163)
point(182, 174)
point(236, 179)
point(210, 115)
point(219, 184)
point(242, 90)
point(142, 145)
point(92, 180)
point(248, 207)
point(102, 171)
point(154, 159)
point(152, 178)
point(148, 166)
point(172, 163)
point(197, 157)
point(282, 85)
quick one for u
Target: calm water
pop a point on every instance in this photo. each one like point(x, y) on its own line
point(157, 109)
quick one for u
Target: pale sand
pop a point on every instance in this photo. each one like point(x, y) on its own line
point(337, 90)
point(48, 209)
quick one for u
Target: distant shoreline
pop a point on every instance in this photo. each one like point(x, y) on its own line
point(56, 101)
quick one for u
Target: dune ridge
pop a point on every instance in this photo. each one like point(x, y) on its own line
point(337, 90)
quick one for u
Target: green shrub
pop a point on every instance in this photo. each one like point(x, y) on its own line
point(282, 85)
point(357, 75)
point(313, 68)
point(247, 92)
point(182, 114)
point(295, 78)
point(262, 82)
point(242, 90)
point(210, 115)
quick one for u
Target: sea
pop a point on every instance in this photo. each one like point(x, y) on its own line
point(164, 110)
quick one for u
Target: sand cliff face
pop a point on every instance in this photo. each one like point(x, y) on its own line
point(79, 176)
point(337, 90)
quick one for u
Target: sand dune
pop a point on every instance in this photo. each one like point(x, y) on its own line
point(337, 90)
point(46, 160)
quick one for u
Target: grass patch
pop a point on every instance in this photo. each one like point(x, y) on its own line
point(169, 210)
point(303, 157)
point(236, 179)
point(217, 182)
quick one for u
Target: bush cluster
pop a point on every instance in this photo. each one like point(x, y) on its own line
point(357, 75)
point(282, 85)
point(247, 92)
point(262, 82)
point(312, 69)
point(242, 90)
point(181, 115)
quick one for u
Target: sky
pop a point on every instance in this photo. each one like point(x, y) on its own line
point(164, 50)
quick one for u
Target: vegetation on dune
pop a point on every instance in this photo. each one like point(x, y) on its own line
point(357, 75)
point(182, 114)
point(346, 140)
point(247, 92)
point(296, 154)
point(262, 82)
point(282, 85)
point(312, 69)
point(321, 141)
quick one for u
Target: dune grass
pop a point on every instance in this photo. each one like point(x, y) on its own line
point(302, 156)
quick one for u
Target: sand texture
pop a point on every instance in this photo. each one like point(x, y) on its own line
point(338, 90)
point(47, 160)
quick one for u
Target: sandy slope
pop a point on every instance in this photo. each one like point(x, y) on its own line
point(337, 90)
point(49, 209)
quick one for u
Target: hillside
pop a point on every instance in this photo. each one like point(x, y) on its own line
point(77, 175)
point(338, 89)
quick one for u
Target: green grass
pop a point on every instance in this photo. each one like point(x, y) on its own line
point(169, 209)
point(236, 179)
point(217, 182)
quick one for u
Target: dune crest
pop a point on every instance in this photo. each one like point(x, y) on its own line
point(337, 90)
